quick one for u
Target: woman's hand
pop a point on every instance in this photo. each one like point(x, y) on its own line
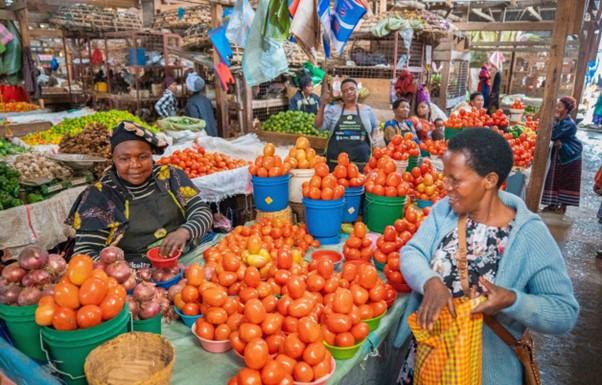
point(498, 298)
point(176, 240)
point(436, 296)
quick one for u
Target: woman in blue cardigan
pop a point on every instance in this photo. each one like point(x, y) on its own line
point(512, 258)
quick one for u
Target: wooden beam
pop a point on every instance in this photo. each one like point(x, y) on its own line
point(23, 18)
point(526, 26)
point(45, 5)
point(482, 15)
point(39, 33)
point(534, 13)
point(550, 93)
point(7, 15)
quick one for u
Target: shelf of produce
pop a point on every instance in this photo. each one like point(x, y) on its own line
point(282, 139)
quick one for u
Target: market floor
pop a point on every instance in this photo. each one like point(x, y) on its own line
point(575, 358)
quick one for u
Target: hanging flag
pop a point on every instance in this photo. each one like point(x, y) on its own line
point(293, 5)
point(326, 21)
point(347, 14)
point(305, 27)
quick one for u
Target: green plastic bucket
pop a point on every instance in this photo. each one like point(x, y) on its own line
point(343, 353)
point(412, 162)
point(68, 349)
point(380, 211)
point(374, 323)
point(451, 132)
point(151, 325)
point(25, 333)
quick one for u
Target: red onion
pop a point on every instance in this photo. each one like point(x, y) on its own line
point(37, 278)
point(48, 290)
point(175, 289)
point(13, 272)
point(99, 265)
point(111, 254)
point(133, 305)
point(149, 309)
point(165, 304)
point(9, 294)
point(33, 257)
point(130, 283)
point(29, 296)
point(56, 264)
point(145, 274)
point(162, 275)
point(145, 291)
point(119, 270)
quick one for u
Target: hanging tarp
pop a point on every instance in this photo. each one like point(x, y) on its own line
point(12, 57)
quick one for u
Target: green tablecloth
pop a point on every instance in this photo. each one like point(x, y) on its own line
point(377, 362)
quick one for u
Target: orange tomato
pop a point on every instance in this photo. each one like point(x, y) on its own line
point(45, 313)
point(111, 306)
point(249, 331)
point(64, 318)
point(272, 324)
point(248, 376)
point(222, 332)
point(323, 368)
point(338, 323)
point(308, 330)
point(190, 294)
point(314, 353)
point(194, 274)
point(293, 346)
point(252, 277)
point(191, 309)
point(296, 287)
point(237, 343)
point(360, 331)
point(212, 296)
point(92, 291)
point(255, 311)
point(378, 308)
point(215, 315)
point(303, 372)
point(300, 308)
point(321, 170)
point(272, 373)
point(256, 353)
point(66, 295)
point(368, 276)
point(343, 301)
point(79, 269)
point(344, 339)
point(204, 329)
point(275, 343)
point(89, 316)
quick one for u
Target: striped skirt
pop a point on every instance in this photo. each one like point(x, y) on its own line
point(563, 183)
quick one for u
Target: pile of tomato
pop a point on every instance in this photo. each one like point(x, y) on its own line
point(84, 297)
point(464, 118)
point(269, 165)
point(400, 148)
point(302, 156)
point(497, 119)
point(518, 104)
point(434, 147)
point(18, 107)
point(347, 173)
point(323, 185)
point(384, 180)
point(358, 246)
point(425, 182)
point(196, 162)
point(533, 124)
point(523, 149)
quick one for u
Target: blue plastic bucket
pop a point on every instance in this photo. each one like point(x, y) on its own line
point(353, 202)
point(170, 282)
point(188, 320)
point(271, 194)
point(423, 203)
point(324, 219)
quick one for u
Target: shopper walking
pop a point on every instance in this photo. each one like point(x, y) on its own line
point(166, 105)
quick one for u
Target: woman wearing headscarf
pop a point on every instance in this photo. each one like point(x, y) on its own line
point(563, 182)
point(402, 123)
point(167, 104)
point(198, 105)
point(304, 100)
point(137, 204)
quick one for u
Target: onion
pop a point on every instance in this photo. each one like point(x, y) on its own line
point(29, 296)
point(56, 264)
point(119, 270)
point(165, 304)
point(48, 290)
point(145, 274)
point(130, 283)
point(145, 291)
point(13, 272)
point(111, 254)
point(175, 289)
point(149, 309)
point(162, 275)
point(33, 257)
point(37, 278)
point(133, 305)
point(9, 294)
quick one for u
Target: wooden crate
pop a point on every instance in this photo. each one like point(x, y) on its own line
point(282, 139)
point(88, 18)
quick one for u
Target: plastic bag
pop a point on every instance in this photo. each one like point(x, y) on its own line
point(240, 23)
point(12, 57)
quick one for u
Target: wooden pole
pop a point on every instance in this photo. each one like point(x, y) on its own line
point(511, 73)
point(550, 93)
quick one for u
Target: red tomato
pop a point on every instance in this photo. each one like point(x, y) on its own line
point(308, 330)
point(272, 323)
point(275, 343)
point(338, 323)
point(66, 295)
point(272, 373)
point(204, 329)
point(344, 339)
point(360, 331)
point(343, 301)
point(64, 318)
point(256, 353)
point(368, 276)
point(314, 353)
point(287, 362)
point(296, 287)
point(111, 306)
point(255, 311)
point(248, 376)
point(89, 316)
point(303, 372)
point(293, 346)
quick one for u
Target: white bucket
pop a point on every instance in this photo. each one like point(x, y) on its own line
point(516, 116)
point(401, 165)
point(295, 189)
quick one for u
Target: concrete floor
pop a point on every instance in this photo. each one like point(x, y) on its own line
point(576, 358)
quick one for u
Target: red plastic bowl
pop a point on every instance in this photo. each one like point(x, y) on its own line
point(212, 346)
point(159, 262)
point(335, 257)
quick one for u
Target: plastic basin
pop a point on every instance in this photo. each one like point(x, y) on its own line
point(324, 219)
point(151, 325)
point(353, 203)
point(343, 353)
point(170, 282)
point(271, 194)
point(335, 257)
point(379, 211)
point(159, 262)
point(451, 132)
point(373, 323)
point(69, 349)
point(25, 333)
point(295, 189)
point(212, 346)
point(379, 266)
point(188, 320)
point(323, 379)
point(423, 203)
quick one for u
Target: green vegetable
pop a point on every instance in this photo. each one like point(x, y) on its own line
point(293, 122)
point(33, 198)
point(9, 187)
point(7, 148)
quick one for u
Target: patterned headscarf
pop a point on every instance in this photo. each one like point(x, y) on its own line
point(127, 130)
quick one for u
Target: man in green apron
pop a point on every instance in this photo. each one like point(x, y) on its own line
point(138, 204)
point(351, 125)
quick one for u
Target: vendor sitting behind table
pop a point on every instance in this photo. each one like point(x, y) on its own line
point(402, 123)
point(137, 203)
point(304, 100)
point(198, 105)
point(350, 124)
point(166, 105)
point(477, 101)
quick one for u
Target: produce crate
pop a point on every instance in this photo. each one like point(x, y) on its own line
point(282, 139)
point(84, 17)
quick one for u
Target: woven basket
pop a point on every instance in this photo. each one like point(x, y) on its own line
point(131, 359)
point(83, 17)
point(192, 16)
point(285, 215)
point(196, 36)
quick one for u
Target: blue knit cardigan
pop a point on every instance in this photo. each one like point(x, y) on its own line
point(531, 266)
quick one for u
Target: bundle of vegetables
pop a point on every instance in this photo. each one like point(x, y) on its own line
point(74, 126)
point(34, 275)
point(33, 166)
point(293, 122)
point(9, 187)
point(95, 139)
point(7, 148)
point(18, 107)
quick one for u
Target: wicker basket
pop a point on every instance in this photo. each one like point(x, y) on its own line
point(192, 16)
point(83, 17)
point(285, 215)
point(197, 37)
point(133, 359)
